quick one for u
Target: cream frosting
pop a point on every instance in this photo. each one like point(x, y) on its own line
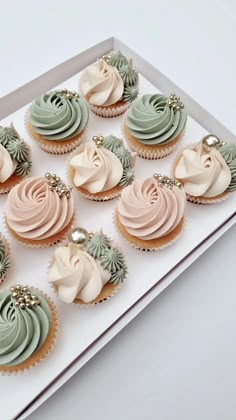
point(96, 168)
point(7, 165)
point(203, 173)
point(77, 274)
point(35, 212)
point(102, 84)
point(148, 211)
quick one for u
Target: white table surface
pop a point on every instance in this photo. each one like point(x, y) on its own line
point(177, 360)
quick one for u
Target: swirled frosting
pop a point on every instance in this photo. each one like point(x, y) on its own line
point(148, 211)
point(152, 121)
point(35, 212)
point(228, 152)
point(7, 165)
point(55, 117)
point(203, 173)
point(77, 275)
point(22, 331)
point(102, 84)
point(96, 168)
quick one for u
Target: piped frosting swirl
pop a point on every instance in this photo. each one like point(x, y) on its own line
point(152, 121)
point(58, 115)
point(35, 212)
point(148, 210)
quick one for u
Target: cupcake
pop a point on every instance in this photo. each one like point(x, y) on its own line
point(39, 211)
point(110, 85)
point(88, 269)
point(15, 158)
point(100, 169)
point(154, 124)
point(28, 327)
point(5, 260)
point(207, 170)
point(150, 212)
point(57, 120)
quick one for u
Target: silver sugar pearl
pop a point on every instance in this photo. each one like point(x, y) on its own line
point(22, 305)
point(211, 141)
point(79, 236)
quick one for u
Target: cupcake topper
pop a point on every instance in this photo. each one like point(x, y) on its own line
point(165, 181)
point(23, 297)
point(79, 237)
point(69, 94)
point(54, 183)
point(106, 57)
point(211, 141)
point(175, 102)
point(98, 140)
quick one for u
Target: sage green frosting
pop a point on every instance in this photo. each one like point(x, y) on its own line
point(98, 246)
point(228, 152)
point(18, 150)
point(2, 250)
point(232, 167)
point(117, 60)
point(116, 146)
point(8, 134)
point(23, 168)
point(128, 75)
point(111, 143)
point(130, 93)
point(102, 249)
point(4, 260)
point(127, 177)
point(22, 331)
point(152, 121)
point(56, 117)
point(124, 156)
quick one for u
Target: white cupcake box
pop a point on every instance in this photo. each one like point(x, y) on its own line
point(83, 332)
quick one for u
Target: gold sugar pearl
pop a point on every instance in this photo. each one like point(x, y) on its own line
point(54, 183)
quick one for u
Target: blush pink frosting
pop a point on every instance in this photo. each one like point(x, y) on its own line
point(35, 212)
point(148, 211)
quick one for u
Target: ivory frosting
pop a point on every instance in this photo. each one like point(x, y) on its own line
point(203, 173)
point(102, 84)
point(7, 165)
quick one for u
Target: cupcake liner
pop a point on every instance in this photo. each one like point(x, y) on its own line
point(44, 350)
point(101, 196)
point(106, 111)
point(7, 254)
point(200, 199)
point(108, 291)
point(55, 147)
point(44, 243)
point(146, 151)
point(149, 245)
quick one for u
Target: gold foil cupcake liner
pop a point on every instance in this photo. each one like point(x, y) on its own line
point(152, 244)
point(148, 151)
point(200, 199)
point(55, 147)
point(43, 243)
point(7, 254)
point(108, 291)
point(102, 196)
point(46, 348)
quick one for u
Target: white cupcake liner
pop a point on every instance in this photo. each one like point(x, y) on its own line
point(42, 355)
point(52, 148)
point(7, 254)
point(105, 111)
point(190, 198)
point(93, 197)
point(150, 154)
point(148, 249)
point(116, 287)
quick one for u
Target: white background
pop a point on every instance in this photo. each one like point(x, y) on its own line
point(177, 360)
